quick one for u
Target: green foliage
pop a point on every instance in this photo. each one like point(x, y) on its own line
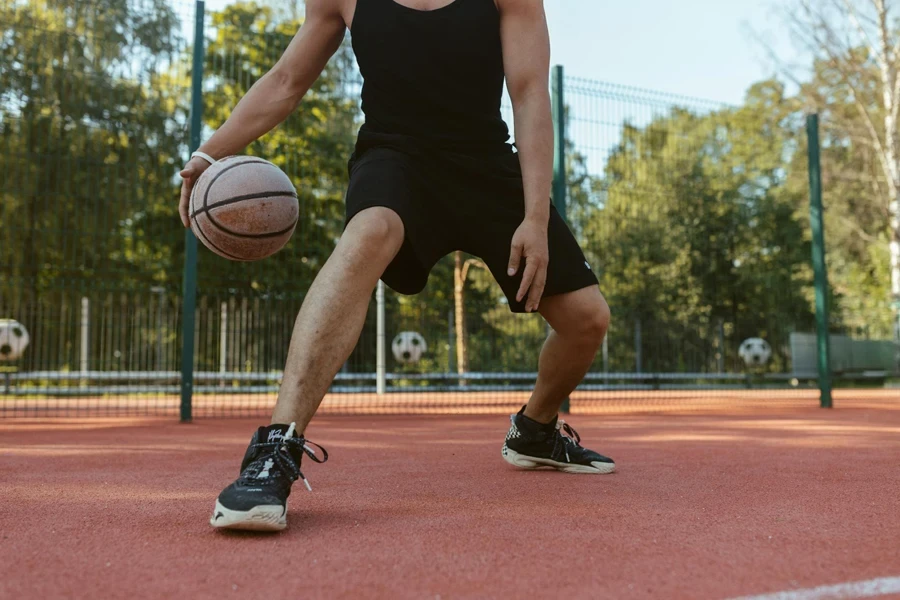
point(91, 97)
point(696, 220)
point(86, 109)
point(312, 146)
point(697, 231)
point(856, 196)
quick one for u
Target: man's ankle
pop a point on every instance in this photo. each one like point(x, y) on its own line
point(543, 419)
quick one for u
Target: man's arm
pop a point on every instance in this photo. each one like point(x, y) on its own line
point(526, 61)
point(277, 93)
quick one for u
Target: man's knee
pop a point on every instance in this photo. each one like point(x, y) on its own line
point(376, 230)
point(596, 321)
point(581, 316)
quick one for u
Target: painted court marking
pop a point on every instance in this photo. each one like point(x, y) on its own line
point(841, 591)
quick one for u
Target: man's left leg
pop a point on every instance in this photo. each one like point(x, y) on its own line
point(579, 320)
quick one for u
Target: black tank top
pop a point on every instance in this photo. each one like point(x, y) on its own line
point(434, 77)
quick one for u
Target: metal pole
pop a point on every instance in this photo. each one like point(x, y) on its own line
point(160, 295)
point(559, 148)
point(379, 340)
point(818, 259)
point(638, 345)
point(557, 95)
point(605, 352)
point(223, 342)
point(189, 287)
point(721, 333)
point(84, 358)
point(451, 340)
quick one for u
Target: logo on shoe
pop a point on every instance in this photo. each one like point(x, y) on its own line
point(275, 436)
point(265, 472)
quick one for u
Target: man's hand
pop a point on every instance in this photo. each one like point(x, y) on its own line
point(526, 63)
point(189, 175)
point(530, 242)
point(276, 94)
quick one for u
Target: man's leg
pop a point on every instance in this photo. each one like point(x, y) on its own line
point(579, 320)
point(334, 312)
point(535, 439)
point(326, 330)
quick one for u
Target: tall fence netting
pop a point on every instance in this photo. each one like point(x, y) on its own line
point(693, 214)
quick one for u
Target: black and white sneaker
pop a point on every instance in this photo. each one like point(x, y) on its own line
point(258, 499)
point(531, 445)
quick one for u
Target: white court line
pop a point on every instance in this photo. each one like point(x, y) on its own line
point(841, 591)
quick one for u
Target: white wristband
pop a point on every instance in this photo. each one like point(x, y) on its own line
point(204, 156)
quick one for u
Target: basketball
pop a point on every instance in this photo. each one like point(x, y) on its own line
point(244, 208)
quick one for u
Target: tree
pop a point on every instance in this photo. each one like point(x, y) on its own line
point(312, 146)
point(856, 84)
point(697, 231)
point(78, 118)
point(461, 268)
point(90, 102)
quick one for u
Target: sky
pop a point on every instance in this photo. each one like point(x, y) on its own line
point(699, 48)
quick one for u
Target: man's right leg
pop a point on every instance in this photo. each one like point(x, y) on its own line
point(325, 333)
point(334, 312)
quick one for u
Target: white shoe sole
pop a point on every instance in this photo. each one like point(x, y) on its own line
point(531, 462)
point(258, 518)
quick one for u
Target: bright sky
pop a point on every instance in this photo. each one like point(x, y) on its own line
point(699, 48)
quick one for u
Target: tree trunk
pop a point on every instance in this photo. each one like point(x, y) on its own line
point(459, 285)
point(891, 156)
point(895, 257)
point(890, 86)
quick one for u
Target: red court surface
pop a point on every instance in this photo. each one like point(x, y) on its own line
point(710, 504)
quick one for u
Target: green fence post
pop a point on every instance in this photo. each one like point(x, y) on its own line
point(557, 96)
point(818, 259)
point(559, 148)
point(189, 287)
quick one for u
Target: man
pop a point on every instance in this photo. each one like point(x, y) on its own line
point(432, 173)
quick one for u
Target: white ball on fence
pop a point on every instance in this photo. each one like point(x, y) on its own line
point(14, 339)
point(755, 352)
point(408, 347)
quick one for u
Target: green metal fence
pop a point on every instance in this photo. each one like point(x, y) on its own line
point(695, 216)
point(92, 128)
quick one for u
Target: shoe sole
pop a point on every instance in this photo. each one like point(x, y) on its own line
point(258, 518)
point(532, 462)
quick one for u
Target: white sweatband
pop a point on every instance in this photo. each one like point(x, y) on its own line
point(204, 156)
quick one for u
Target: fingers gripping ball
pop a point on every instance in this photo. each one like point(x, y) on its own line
point(14, 339)
point(755, 352)
point(244, 208)
point(408, 347)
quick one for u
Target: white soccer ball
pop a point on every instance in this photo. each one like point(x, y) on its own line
point(408, 347)
point(755, 352)
point(14, 339)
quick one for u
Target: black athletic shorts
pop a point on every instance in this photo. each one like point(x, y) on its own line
point(453, 201)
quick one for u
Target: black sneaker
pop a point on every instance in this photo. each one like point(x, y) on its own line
point(531, 445)
point(258, 499)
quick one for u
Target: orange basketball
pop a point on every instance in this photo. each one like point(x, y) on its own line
point(244, 208)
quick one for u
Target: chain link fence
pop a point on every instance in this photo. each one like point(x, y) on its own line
point(694, 215)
